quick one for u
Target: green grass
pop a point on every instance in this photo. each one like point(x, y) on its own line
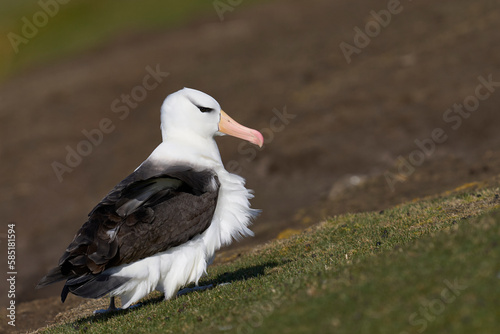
point(429, 266)
point(83, 24)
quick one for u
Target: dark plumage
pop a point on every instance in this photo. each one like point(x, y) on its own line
point(125, 226)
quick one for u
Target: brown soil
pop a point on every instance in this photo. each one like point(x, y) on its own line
point(352, 121)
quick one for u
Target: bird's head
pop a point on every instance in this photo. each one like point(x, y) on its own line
point(189, 112)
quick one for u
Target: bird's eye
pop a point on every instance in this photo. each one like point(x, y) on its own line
point(204, 109)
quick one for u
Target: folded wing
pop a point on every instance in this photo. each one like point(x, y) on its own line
point(149, 212)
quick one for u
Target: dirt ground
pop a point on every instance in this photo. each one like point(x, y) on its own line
point(340, 137)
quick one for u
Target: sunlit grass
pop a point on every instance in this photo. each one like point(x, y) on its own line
point(430, 265)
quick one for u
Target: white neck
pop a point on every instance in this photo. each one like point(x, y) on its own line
point(182, 147)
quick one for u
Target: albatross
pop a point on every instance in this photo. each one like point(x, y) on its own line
point(159, 228)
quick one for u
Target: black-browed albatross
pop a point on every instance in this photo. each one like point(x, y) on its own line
point(159, 228)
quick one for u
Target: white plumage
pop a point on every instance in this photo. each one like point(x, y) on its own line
point(169, 271)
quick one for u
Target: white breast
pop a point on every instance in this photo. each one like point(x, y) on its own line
point(170, 270)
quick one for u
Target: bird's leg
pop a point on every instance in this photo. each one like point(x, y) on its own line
point(111, 308)
point(198, 288)
point(195, 288)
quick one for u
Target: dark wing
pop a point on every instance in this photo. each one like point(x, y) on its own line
point(149, 212)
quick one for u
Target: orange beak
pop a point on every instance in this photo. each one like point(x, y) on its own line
point(230, 127)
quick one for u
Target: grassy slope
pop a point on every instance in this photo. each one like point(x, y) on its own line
point(430, 265)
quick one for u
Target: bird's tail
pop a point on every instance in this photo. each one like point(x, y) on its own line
point(92, 286)
point(55, 275)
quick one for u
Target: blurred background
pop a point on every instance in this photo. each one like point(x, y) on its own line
point(345, 94)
